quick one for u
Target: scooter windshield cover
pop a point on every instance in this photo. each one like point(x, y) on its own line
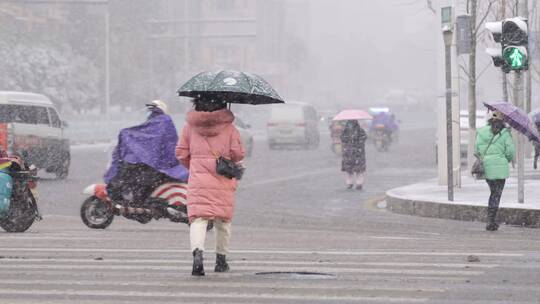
point(6, 186)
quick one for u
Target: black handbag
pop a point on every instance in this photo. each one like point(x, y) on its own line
point(478, 170)
point(225, 166)
point(228, 168)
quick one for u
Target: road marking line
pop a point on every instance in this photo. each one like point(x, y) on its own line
point(173, 261)
point(228, 284)
point(288, 178)
point(208, 295)
point(235, 274)
point(398, 238)
point(270, 252)
point(67, 238)
point(317, 268)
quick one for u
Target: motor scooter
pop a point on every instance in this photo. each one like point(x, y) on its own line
point(18, 195)
point(381, 138)
point(166, 201)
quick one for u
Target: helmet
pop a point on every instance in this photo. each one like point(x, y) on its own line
point(160, 105)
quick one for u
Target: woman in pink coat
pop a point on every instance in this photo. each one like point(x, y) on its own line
point(209, 133)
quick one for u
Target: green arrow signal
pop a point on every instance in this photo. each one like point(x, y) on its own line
point(515, 58)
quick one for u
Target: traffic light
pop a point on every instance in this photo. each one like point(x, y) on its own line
point(511, 34)
point(498, 60)
point(496, 30)
point(496, 53)
point(514, 43)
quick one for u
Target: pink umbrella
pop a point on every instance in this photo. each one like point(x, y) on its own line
point(352, 114)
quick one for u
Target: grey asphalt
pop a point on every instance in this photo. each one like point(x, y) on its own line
point(293, 214)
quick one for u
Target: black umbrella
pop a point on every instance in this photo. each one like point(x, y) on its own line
point(231, 87)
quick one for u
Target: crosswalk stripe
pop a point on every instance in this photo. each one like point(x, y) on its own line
point(292, 252)
point(234, 262)
point(184, 273)
point(211, 295)
point(274, 284)
point(134, 268)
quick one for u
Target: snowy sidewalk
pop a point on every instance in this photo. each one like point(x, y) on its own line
point(429, 199)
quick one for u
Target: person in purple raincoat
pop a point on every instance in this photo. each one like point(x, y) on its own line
point(144, 158)
point(387, 120)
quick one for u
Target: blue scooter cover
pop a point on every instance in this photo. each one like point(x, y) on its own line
point(6, 185)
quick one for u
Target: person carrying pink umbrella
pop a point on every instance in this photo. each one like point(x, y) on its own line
point(353, 140)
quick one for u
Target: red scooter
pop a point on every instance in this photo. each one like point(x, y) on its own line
point(167, 201)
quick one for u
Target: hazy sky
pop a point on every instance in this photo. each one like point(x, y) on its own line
point(375, 45)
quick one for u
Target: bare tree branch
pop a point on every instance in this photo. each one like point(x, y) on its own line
point(479, 25)
point(430, 6)
point(462, 67)
point(484, 70)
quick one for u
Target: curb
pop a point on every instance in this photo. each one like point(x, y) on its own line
point(510, 216)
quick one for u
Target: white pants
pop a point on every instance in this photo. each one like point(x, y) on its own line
point(197, 235)
point(359, 178)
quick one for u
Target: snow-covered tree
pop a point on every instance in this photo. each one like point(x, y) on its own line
point(67, 78)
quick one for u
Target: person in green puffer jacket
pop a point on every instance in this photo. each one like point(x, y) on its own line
point(495, 147)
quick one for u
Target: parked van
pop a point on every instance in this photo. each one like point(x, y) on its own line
point(293, 123)
point(31, 128)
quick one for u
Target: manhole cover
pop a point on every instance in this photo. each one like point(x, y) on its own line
point(296, 274)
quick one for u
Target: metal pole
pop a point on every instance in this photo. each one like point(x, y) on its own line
point(449, 155)
point(518, 101)
point(525, 13)
point(107, 63)
point(472, 87)
point(504, 77)
point(186, 35)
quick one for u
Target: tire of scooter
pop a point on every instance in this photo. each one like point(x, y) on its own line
point(16, 226)
point(94, 202)
point(21, 223)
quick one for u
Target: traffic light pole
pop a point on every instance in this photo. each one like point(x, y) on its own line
point(449, 155)
point(520, 152)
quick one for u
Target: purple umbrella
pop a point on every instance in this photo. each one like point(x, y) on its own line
point(516, 118)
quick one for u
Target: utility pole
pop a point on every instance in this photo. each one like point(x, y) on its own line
point(447, 35)
point(512, 34)
point(107, 62)
point(186, 39)
point(525, 13)
point(503, 74)
point(472, 87)
point(519, 102)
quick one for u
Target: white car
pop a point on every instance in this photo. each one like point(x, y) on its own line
point(293, 123)
point(31, 128)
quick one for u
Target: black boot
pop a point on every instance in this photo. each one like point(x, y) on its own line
point(198, 269)
point(491, 215)
point(221, 263)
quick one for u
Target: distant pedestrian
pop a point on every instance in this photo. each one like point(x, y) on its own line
point(536, 149)
point(209, 133)
point(353, 140)
point(495, 147)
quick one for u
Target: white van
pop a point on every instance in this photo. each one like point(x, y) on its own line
point(31, 128)
point(293, 123)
